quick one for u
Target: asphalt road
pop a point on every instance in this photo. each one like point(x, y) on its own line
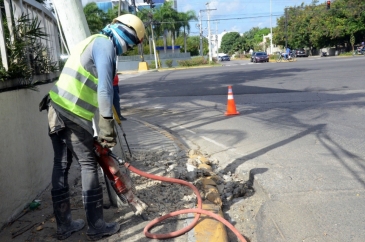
point(300, 132)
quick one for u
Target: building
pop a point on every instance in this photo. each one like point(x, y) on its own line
point(127, 5)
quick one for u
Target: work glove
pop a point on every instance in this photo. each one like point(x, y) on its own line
point(106, 135)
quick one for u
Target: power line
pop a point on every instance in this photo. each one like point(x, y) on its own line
point(222, 19)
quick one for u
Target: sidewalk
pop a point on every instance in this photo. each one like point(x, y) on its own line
point(147, 144)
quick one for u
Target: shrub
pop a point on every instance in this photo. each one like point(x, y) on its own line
point(350, 53)
point(193, 62)
point(273, 56)
point(152, 65)
point(168, 63)
point(27, 55)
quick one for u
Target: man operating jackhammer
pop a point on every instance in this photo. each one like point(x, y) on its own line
point(85, 85)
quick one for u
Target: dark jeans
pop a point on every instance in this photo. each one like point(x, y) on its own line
point(74, 141)
point(116, 100)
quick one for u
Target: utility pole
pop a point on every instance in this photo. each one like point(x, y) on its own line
point(270, 29)
point(216, 38)
point(72, 17)
point(142, 65)
point(209, 34)
point(119, 7)
point(201, 33)
point(153, 40)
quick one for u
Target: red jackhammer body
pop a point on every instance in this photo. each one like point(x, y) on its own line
point(121, 182)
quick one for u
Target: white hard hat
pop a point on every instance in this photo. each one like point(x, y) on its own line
point(133, 22)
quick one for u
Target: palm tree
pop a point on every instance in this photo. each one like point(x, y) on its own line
point(184, 19)
point(145, 16)
point(168, 18)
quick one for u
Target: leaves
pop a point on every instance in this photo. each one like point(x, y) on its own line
point(27, 55)
point(230, 42)
point(314, 26)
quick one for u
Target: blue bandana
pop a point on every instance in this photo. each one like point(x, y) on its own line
point(121, 36)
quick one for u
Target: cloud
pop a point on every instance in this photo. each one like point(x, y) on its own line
point(224, 8)
point(235, 28)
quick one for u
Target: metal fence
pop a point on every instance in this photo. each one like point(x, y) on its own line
point(34, 10)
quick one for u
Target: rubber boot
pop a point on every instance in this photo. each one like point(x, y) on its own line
point(62, 210)
point(98, 228)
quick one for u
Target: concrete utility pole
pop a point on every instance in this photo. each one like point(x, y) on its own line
point(201, 33)
point(209, 34)
point(72, 18)
point(216, 38)
point(270, 28)
point(153, 39)
point(120, 2)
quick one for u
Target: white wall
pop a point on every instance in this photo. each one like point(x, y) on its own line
point(26, 154)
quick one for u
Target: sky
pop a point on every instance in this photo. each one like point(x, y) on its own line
point(237, 15)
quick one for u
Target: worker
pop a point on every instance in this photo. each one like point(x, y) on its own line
point(85, 85)
point(116, 98)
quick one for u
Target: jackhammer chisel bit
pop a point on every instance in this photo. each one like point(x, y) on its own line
point(116, 117)
point(120, 181)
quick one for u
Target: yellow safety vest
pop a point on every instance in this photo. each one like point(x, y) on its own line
point(76, 89)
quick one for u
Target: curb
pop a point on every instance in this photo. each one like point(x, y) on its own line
point(209, 229)
point(169, 69)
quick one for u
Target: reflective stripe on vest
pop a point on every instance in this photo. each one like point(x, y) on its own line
point(76, 89)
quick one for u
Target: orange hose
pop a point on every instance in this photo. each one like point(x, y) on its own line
point(197, 211)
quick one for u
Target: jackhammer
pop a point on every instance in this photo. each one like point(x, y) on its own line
point(120, 181)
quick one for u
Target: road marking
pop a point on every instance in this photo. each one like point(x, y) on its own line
point(214, 142)
point(203, 137)
point(182, 127)
point(245, 64)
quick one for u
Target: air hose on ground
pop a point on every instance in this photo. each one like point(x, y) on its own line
point(198, 210)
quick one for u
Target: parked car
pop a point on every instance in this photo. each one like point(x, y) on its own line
point(301, 53)
point(259, 57)
point(224, 58)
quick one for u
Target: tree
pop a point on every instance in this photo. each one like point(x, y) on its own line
point(112, 14)
point(168, 18)
point(95, 17)
point(352, 41)
point(193, 45)
point(184, 19)
point(229, 42)
point(253, 38)
point(314, 26)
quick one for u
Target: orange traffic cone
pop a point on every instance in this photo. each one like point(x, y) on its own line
point(231, 106)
